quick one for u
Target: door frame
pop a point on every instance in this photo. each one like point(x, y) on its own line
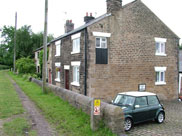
point(66, 68)
point(180, 83)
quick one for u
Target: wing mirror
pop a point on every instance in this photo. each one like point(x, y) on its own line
point(137, 106)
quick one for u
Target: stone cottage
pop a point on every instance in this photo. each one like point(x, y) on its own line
point(49, 62)
point(128, 48)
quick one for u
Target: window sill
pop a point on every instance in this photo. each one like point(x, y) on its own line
point(75, 83)
point(160, 83)
point(75, 52)
point(57, 55)
point(57, 80)
point(160, 54)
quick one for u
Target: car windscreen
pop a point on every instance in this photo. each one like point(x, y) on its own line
point(124, 100)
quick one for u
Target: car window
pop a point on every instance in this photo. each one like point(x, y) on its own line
point(124, 100)
point(152, 100)
point(141, 101)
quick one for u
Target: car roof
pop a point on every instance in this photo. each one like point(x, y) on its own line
point(136, 93)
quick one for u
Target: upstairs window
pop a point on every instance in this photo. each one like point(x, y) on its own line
point(101, 42)
point(160, 75)
point(160, 44)
point(75, 43)
point(58, 48)
point(101, 50)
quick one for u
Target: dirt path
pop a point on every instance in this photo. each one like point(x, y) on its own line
point(38, 121)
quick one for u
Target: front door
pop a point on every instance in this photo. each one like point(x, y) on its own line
point(67, 79)
point(50, 76)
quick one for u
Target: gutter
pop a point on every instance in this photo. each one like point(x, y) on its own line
point(85, 78)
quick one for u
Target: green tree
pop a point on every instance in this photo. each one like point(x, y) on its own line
point(25, 66)
point(26, 43)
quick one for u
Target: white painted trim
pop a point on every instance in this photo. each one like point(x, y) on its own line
point(66, 67)
point(160, 83)
point(160, 39)
point(160, 69)
point(180, 76)
point(57, 55)
point(101, 34)
point(75, 36)
point(57, 64)
point(75, 52)
point(75, 63)
point(57, 80)
point(75, 83)
point(160, 54)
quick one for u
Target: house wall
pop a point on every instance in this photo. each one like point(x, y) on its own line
point(65, 59)
point(131, 52)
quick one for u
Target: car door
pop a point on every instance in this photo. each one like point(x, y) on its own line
point(140, 112)
point(153, 106)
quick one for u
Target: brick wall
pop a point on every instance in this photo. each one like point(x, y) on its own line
point(131, 54)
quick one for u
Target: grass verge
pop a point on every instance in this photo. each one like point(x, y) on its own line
point(10, 105)
point(18, 127)
point(66, 119)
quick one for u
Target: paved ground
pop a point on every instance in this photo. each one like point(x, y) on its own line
point(172, 126)
point(38, 121)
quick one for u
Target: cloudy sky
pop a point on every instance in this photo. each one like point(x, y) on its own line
point(31, 12)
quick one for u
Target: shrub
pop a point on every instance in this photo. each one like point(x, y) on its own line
point(25, 66)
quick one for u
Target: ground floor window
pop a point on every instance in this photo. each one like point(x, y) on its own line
point(58, 71)
point(160, 75)
point(76, 73)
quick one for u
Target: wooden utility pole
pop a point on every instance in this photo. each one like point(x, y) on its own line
point(44, 69)
point(14, 58)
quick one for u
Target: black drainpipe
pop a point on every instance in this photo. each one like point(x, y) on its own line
point(85, 79)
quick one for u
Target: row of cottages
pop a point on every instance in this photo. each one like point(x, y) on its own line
point(128, 48)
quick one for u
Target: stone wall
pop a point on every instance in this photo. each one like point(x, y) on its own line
point(112, 116)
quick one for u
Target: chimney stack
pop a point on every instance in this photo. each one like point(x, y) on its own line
point(88, 18)
point(69, 26)
point(113, 5)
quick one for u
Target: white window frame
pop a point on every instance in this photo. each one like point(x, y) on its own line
point(161, 42)
point(75, 43)
point(58, 73)
point(160, 70)
point(58, 48)
point(101, 42)
point(76, 76)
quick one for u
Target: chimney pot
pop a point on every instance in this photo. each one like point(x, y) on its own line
point(69, 26)
point(86, 13)
point(91, 14)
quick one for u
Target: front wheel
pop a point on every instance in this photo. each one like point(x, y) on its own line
point(160, 117)
point(128, 124)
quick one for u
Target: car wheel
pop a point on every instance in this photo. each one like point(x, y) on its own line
point(128, 124)
point(160, 117)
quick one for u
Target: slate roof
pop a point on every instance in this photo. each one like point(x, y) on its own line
point(77, 29)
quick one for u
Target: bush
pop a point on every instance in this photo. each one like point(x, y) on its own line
point(25, 66)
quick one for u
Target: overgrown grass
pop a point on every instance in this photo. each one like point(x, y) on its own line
point(10, 105)
point(17, 127)
point(9, 101)
point(66, 119)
